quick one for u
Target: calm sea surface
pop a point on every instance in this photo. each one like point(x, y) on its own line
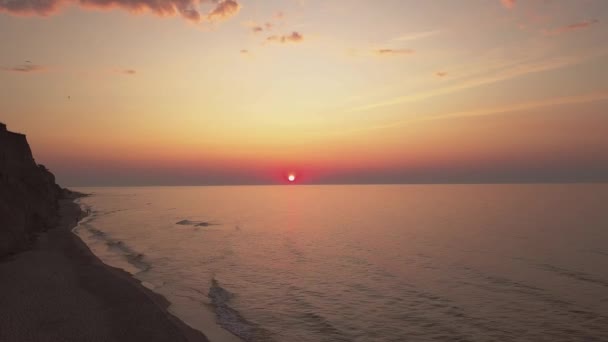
point(366, 263)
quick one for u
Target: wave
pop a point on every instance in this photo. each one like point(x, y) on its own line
point(133, 257)
point(323, 326)
point(117, 247)
point(230, 319)
point(576, 275)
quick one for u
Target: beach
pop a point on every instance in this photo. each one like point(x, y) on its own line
point(59, 291)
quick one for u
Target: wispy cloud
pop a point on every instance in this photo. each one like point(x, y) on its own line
point(128, 72)
point(394, 52)
point(514, 71)
point(512, 108)
point(280, 15)
point(188, 9)
point(268, 25)
point(257, 28)
point(519, 107)
point(441, 74)
point(510, 4)
point(294, 37)
point(27, 67)
point(417, 35)
point(573, 27)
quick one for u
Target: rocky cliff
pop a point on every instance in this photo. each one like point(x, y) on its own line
point(28, 194)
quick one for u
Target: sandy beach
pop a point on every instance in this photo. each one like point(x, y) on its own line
point(59, 291)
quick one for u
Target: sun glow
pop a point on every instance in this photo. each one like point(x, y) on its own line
point(291, 178)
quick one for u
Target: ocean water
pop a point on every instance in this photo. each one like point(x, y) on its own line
point(366, 263)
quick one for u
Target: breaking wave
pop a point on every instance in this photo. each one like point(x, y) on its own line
point(230, 319)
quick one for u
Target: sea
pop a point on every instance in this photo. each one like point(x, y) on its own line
point(303, 263)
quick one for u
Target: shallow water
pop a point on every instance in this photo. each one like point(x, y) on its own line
point(366, 263)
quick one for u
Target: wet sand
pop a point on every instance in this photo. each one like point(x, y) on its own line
point(59, 291)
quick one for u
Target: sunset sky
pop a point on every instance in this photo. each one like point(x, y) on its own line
point(130, 92)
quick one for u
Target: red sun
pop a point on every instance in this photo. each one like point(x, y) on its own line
point(291, 177)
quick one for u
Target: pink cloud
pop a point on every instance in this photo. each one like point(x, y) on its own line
point(509, 3)
point(225, 9)
point(188, 9)
point(573, 27)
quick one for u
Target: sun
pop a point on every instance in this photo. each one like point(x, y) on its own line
point(291, 178)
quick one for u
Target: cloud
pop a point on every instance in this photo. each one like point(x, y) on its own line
point(224, 10)
point(294, 37)
point(511, 108)
point(188, 9)
point(394, 52)
point(257, 28)
point(129, 72)
point(573, 27)
point(244, 51)
point(516, 70)
point(29, 7)
point(441, 74)
point(510, 4)
point(27, 67)
point(518, 107)
point(417, 35)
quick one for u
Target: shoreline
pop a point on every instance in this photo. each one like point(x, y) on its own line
point(201, 318)
point(59, 290)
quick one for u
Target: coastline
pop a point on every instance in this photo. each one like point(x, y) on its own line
point(59, 290)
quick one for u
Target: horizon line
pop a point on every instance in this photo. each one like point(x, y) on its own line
point(341, 184)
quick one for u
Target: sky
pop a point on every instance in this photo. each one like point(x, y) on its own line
point(194, 92)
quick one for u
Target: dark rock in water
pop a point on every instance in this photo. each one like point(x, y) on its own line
point(194, 223)
point(185, 223)
point(28, 194)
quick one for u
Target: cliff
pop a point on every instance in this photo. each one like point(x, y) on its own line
point(28, 194)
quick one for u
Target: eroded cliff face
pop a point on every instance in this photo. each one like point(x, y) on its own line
point(28, 194)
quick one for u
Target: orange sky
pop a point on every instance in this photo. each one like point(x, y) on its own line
point(244, 92)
